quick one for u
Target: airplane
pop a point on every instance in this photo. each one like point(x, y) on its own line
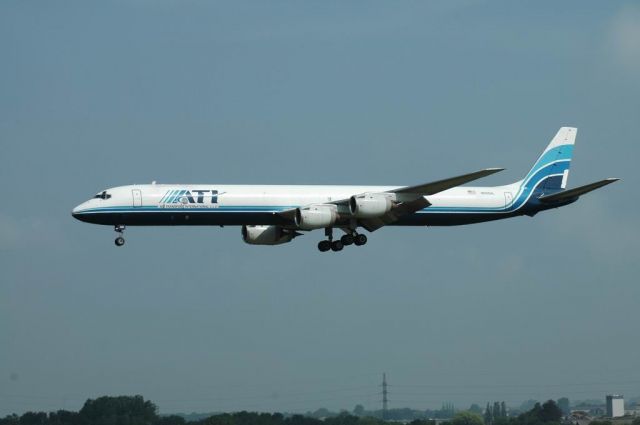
point(274, 215)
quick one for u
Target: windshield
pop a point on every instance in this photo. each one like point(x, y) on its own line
point(103, 195)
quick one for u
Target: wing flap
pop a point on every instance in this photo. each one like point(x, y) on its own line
point(576, 192)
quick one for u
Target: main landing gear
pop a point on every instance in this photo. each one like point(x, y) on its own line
point(351, 238)
point(119, 228)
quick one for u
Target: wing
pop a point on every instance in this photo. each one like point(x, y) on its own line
point(409, 199)
point(413, 197)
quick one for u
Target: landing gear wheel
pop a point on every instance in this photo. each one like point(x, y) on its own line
point(324, 246)
point(336, 246)
point(119, 228)
point(360, 239)
point(347, 240)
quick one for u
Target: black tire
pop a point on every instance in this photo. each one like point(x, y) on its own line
point(360, 239)
point(336, 246)
point(324, 246)
point(119, 241)
point(346, 240)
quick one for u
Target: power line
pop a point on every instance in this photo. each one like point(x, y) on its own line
point(574, 384)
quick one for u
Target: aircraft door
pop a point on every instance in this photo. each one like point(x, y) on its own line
point(137, 197)
point(508, 198)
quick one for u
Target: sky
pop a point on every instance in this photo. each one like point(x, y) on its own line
point(100, 94)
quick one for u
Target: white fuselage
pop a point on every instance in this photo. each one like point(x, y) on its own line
point(197, 204)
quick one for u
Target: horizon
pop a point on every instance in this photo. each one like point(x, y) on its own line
point(524, 406)
point(513, 405)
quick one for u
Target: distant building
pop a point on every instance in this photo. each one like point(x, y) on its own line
point(632, 412)
point(615, 406)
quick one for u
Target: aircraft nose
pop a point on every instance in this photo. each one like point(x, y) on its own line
point(77, 211)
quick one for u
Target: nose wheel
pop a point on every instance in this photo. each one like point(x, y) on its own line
point(119, 228)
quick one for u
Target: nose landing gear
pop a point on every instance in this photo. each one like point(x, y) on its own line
point(119, 228)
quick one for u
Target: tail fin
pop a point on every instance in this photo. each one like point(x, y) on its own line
point(551, 171)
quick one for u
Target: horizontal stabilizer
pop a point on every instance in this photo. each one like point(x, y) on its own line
point(442, 185)
point(577, 192)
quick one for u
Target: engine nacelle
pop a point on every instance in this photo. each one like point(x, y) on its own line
point(266, 235)
point(316, 216)
point(370, 205)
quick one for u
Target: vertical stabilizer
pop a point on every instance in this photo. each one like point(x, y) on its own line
point(550, 172)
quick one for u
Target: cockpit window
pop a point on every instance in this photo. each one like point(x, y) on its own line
point(103, 195)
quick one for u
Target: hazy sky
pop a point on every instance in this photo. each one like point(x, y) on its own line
point(100, 94)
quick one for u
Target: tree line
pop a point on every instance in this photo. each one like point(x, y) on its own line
point(135, 410)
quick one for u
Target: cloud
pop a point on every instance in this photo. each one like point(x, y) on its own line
point(625, 37)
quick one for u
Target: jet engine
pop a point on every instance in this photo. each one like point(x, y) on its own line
point(266, 235)
point(370, 205)
point(316, 216)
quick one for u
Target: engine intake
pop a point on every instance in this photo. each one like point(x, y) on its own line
point(370, 205)
point(266, 235)
point(316, 216)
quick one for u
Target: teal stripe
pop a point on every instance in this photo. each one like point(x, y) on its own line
point(165, 196)
point(558, 153)
point(174, 196)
